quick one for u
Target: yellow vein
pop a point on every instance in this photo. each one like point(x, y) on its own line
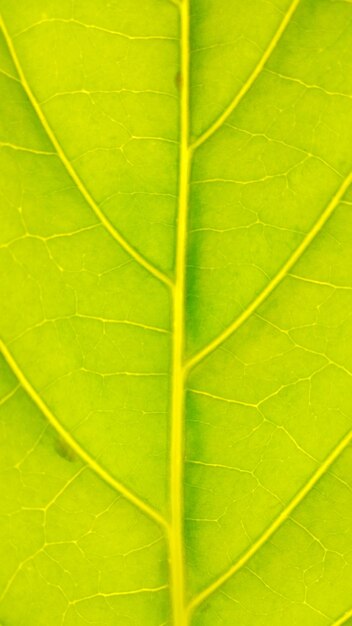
point(2, 72)
point(276, 524)
point(139, 258)
point(104, 320)
point(320, 283)
point(282, 273)
point(25, 149)
point(115, 594)
point(342, 620)
point(9, 395)
point(201, 392)
point(74, 445)
point(310, 86)
point(251, 79)
point(176, 545)
point(101, 29)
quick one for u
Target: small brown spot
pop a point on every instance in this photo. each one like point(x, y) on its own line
point(65, 451)
point(178, 80)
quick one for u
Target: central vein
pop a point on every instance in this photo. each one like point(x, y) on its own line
point(177, 557)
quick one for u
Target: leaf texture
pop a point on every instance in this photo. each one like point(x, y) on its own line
point(175, 329)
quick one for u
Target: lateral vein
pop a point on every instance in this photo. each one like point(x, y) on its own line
point(9, 395)
point(116, 594)
point(201, 392)
point(278, 278)
point(274, 526)
point(75, 446)
point(101, 29)
point(134, 254)
point(343, 619)
point(25, 149)
point(251, 79)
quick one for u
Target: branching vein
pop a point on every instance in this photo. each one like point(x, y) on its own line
point(181, 613)
point(74, 445)
point(278, 278)
point(134, 254)
point(275, 525)
point(251, 79)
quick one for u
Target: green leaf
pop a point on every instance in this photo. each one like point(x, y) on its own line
point(175, 328)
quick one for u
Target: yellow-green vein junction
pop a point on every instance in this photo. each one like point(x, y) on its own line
point(182, 607)
point(179, 367)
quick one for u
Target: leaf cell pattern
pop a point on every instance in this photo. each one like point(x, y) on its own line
point(176, 287)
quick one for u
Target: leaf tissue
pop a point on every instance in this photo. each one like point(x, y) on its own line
point(175, 322)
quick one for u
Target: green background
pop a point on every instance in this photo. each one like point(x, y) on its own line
point(86, 327)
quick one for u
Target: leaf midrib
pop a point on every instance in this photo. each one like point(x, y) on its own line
point(176, 544)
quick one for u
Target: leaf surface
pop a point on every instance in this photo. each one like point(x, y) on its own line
point(175, 329)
